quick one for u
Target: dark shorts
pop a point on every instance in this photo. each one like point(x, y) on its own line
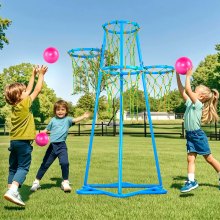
point(197, 142)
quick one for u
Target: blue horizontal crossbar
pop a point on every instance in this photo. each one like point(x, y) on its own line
point(88, 190)
point(124, 185)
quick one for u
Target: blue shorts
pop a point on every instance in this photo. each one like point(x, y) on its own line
point(197, 142)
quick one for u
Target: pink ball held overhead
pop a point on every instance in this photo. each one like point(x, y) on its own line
point(51, 55)
point(42, 139)
point(182, 65)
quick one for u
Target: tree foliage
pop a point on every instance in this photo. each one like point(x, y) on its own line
point(4, 24)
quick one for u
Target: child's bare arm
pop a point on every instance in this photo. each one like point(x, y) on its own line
point(31, 81)
point(82, 117)
point(181, 88)
point(39, 84)
point(192, 95)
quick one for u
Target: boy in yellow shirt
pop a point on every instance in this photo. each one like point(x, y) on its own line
point(22, 132)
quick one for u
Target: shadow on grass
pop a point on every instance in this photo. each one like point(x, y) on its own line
point(209, 185)
point(49, 185)
point(189, 194)
point(178, 185)
point(14, 208)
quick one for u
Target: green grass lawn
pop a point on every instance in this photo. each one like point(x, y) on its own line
point(138, 167)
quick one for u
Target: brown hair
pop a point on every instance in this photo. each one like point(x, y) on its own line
point(61, 103)
point(13, 93)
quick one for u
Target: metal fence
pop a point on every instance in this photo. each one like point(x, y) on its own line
point(142, 129)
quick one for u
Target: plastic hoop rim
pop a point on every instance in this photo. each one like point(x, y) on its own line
point(121, 69)
point(136, 26)
point(87, 50)
point(166, 67)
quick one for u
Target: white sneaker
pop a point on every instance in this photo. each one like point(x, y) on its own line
point(14, 197)
point(65, 186)
point(35, 186)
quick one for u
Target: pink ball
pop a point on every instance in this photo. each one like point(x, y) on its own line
point(182, 65)
point(51, 55)
point(42, 139)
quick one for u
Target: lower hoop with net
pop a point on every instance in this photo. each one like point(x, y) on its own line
point(158, 80)
point(85, 64)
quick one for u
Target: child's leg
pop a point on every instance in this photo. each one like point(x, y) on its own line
point(190, 184)
point(213, 162)
point(13, 163)
point(19, 164)
point(49, 158)
point(64, 163)
point(191, 157)
point(24, 150)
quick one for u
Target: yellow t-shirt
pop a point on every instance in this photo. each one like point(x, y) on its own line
point(23, 127)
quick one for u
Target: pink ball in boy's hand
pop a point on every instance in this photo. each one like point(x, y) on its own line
point(42, 139)
point(51, 55)
point(182, 65)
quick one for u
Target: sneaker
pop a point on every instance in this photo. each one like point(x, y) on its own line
point(14, 197)
point(35, 186)
point(189, 185)
point(65, 186)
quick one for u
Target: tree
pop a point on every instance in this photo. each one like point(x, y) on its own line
point(134, 100)
point(217, 48)
point(86, 102)
point(43, 105)
point(176, 103)
point(4, 24)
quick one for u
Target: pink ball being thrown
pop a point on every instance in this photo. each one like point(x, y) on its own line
point(51, 55)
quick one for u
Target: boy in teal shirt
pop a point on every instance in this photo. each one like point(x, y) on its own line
point(58, 127)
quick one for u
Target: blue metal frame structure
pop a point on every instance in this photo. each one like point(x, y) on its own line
point(121, 70)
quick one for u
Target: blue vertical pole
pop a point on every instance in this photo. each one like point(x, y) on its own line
point(120, 152)
point(148, 113)
point(95, 112)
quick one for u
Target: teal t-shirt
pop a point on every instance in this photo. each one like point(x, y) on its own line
point(193, 115)
point(59, 128)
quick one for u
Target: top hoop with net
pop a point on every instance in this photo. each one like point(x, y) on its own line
point(126, 62)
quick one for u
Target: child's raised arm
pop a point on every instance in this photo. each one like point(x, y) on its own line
point(82, 117)
point(39, 84)
point(192, 95)
point(181, 88)
point(31, 81)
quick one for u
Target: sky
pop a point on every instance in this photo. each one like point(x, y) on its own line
point(169, 29)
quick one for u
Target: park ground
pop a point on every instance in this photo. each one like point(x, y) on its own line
point(138, 167)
